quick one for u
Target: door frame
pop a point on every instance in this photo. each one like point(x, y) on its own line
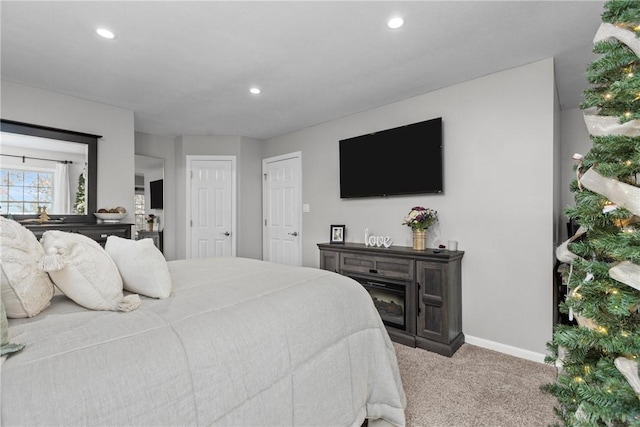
point(294, 155)
point(190, 158)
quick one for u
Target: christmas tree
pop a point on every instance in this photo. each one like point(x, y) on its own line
point(80, 204)
point(597, 358)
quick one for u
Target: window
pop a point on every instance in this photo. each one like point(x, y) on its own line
point(23, 191)
point(139, 211)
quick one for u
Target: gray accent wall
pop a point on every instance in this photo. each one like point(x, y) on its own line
point(249, 187)
point(162, 147)
point(498, 201)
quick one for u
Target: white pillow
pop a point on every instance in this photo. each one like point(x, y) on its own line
point(142, 266)
point(83, 271)
point(26, 290)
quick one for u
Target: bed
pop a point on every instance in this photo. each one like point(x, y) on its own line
point(239, 342)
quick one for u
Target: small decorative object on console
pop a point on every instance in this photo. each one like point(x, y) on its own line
point(337, 234)
point(42, 211)
point(112, 214)
point(420, 219)
point(150, 220)
point(376, 240)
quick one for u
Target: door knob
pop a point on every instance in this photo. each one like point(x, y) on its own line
point(226, 233)
point(294, 234)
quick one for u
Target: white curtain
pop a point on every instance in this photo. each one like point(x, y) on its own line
point(61, 193)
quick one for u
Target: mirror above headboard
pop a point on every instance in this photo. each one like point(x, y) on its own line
point(32, 175)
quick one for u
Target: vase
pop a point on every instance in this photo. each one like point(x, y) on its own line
point(149, 226)
point(419, 240)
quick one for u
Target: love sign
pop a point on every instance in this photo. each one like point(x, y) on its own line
point(377, 241)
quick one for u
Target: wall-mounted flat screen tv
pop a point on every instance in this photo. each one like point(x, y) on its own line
point(155, 188)
point(402, 160)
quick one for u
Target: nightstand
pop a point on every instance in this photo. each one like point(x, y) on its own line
point(156, 236)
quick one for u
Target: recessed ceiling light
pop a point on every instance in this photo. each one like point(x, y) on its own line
point(396, 22)
point(255, 91)
point(105, 33)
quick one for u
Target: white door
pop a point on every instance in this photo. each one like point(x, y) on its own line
point(282, 210)
point(211, 187)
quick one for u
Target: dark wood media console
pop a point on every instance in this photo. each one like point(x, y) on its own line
point(432, 283)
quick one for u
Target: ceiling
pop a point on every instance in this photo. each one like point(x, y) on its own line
point(185, 68)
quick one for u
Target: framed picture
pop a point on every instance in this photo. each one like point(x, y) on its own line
point(337, 234)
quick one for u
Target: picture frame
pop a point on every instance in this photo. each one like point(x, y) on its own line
point(337, 233)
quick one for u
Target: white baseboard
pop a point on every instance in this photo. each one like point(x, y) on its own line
point(506, 349)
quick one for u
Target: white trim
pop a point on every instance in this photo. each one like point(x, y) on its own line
point(189, 159)
point(506, 349)
point(295, 155)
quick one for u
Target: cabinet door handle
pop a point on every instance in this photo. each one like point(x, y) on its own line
point(373, 270)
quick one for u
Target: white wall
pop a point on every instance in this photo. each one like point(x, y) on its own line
point(497, 202)
point(115, 125)
point(499, 184)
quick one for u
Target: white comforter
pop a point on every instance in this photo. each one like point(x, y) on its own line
point(240, 342)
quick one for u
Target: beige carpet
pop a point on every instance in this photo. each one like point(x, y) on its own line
point(475, 387)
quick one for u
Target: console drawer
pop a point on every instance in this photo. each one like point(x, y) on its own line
point(100, 234)
point(393, 268)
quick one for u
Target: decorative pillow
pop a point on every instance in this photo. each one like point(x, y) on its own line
point(26, 290)
point(84, 272)
point(142, 266)
point(6, 347)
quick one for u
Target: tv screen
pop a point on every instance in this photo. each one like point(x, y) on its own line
point(402, 160)
point(155, 187)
